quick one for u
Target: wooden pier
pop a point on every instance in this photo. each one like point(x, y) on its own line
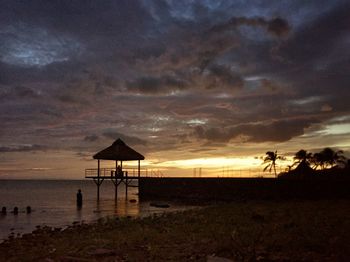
point(117, 152)
point(127, 177)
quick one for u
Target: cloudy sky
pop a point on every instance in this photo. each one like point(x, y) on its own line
point(177, 80)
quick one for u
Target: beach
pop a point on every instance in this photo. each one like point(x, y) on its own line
point(53, 204)
point(303, 230)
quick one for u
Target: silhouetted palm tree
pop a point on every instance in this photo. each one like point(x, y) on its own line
point(318, 161)
point(302, 156)
point(332, 157)
point(270, 159)
point(328, 158)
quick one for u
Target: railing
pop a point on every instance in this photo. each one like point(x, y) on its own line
point(154, 173)
point(109, 172)
point(194, 172)
point(132, 172)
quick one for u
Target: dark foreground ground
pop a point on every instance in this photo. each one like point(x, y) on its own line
point(240, 231)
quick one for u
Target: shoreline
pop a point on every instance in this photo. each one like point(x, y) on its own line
point(270, 230)
point(153, 206)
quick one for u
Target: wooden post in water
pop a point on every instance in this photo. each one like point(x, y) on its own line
point(98, 179)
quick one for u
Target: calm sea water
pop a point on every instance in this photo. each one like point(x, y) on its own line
point(53, 203)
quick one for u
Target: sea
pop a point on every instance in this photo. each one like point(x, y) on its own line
point(53, 204)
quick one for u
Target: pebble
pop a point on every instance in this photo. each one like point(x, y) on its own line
point(161, 205)
point(73, 259)
point(258, 218)
point(218, 259)
point(102, 252)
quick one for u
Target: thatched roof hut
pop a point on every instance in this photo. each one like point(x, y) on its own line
point(119, 151)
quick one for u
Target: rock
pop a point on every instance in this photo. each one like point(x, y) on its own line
point(218, 259)
point(57, 229)
point(159, 204)
point(102, 252)
point(258, 218)
point(73, 259)
point(26, 236)
point(289, 225)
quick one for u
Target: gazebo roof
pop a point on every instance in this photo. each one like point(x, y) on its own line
point(119, 151)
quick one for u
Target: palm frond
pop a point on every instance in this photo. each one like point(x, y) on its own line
point(266, 167)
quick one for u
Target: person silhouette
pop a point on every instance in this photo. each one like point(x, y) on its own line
point(79, 198)
point(119, 172)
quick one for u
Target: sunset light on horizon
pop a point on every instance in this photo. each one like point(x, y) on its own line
point(209, 85)
point(174, 130)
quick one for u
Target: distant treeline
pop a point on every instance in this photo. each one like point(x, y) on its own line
point(327, 162)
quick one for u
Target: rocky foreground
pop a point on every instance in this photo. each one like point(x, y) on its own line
point(237, 231)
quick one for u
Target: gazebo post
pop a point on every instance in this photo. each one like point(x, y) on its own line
point(138, 170)
point(126, 179)
point(98, 179)
point(116, 181)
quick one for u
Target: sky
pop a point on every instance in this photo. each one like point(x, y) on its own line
point(185, 83)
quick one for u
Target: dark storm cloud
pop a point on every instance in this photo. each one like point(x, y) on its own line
point(22, 148)
point(317, 46)
point(83, 18)
point(18, 92)
point(318, 39)
point(315, 60)
point(56, 41)
point(215, 77)
point(90, 72)
point(276, 26)
point(91, 138)
point(277, 131)
point(132, 140)
point(222, 77)
point(157, 85)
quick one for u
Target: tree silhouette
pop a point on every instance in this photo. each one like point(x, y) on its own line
point(332, 157)
point(328, 158)
point(270, 159)
point(318, 161)
point(302, 157)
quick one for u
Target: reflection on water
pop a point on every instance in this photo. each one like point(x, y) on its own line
point(121, 207)
point(53, 204)
point(126, 208)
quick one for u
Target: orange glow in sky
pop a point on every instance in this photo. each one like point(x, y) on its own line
point(191, 90)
